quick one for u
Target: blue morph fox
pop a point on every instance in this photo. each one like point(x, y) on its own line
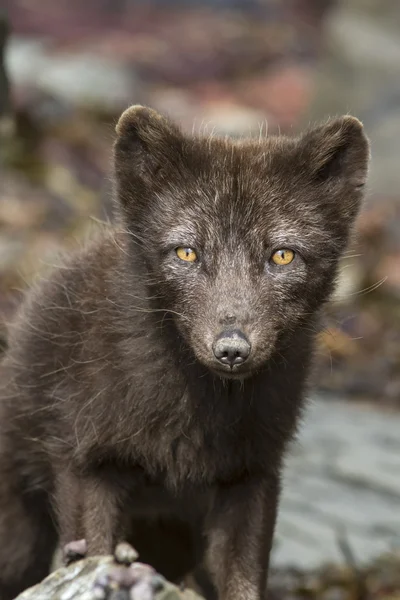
point(152, 384)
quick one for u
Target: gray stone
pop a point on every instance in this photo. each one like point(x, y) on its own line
point(342, 475)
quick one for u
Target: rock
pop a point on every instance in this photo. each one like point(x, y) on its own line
point(100, 578)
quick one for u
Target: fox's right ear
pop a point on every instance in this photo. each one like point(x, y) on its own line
point(148, 147)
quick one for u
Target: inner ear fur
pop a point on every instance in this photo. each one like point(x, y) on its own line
point(337, 150)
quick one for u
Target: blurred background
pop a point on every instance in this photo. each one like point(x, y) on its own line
point(69, 68)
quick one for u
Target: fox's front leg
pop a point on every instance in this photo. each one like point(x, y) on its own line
point(88, 509)
point(101, 515)
point(67, 501)
point(240, 531)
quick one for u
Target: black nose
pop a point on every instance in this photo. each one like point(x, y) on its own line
point(231, 348)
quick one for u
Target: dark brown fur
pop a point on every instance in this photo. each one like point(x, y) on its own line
point(117, 421)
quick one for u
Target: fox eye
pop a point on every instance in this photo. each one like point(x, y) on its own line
point(282, 257)
point(186, 254)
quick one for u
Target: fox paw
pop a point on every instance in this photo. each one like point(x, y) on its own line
point(74, 551)
point(128, 579)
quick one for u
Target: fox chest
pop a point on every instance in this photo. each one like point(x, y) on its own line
point(197, 456)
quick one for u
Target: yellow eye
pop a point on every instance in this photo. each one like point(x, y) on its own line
point(186, 254)
point(283, 256)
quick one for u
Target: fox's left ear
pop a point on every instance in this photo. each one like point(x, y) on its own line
point(337, 152)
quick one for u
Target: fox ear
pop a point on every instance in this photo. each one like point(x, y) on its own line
point(337, 152)
point(147, 145)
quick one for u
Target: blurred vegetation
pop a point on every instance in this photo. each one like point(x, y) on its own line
point(380, 579)
point(74, 66)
